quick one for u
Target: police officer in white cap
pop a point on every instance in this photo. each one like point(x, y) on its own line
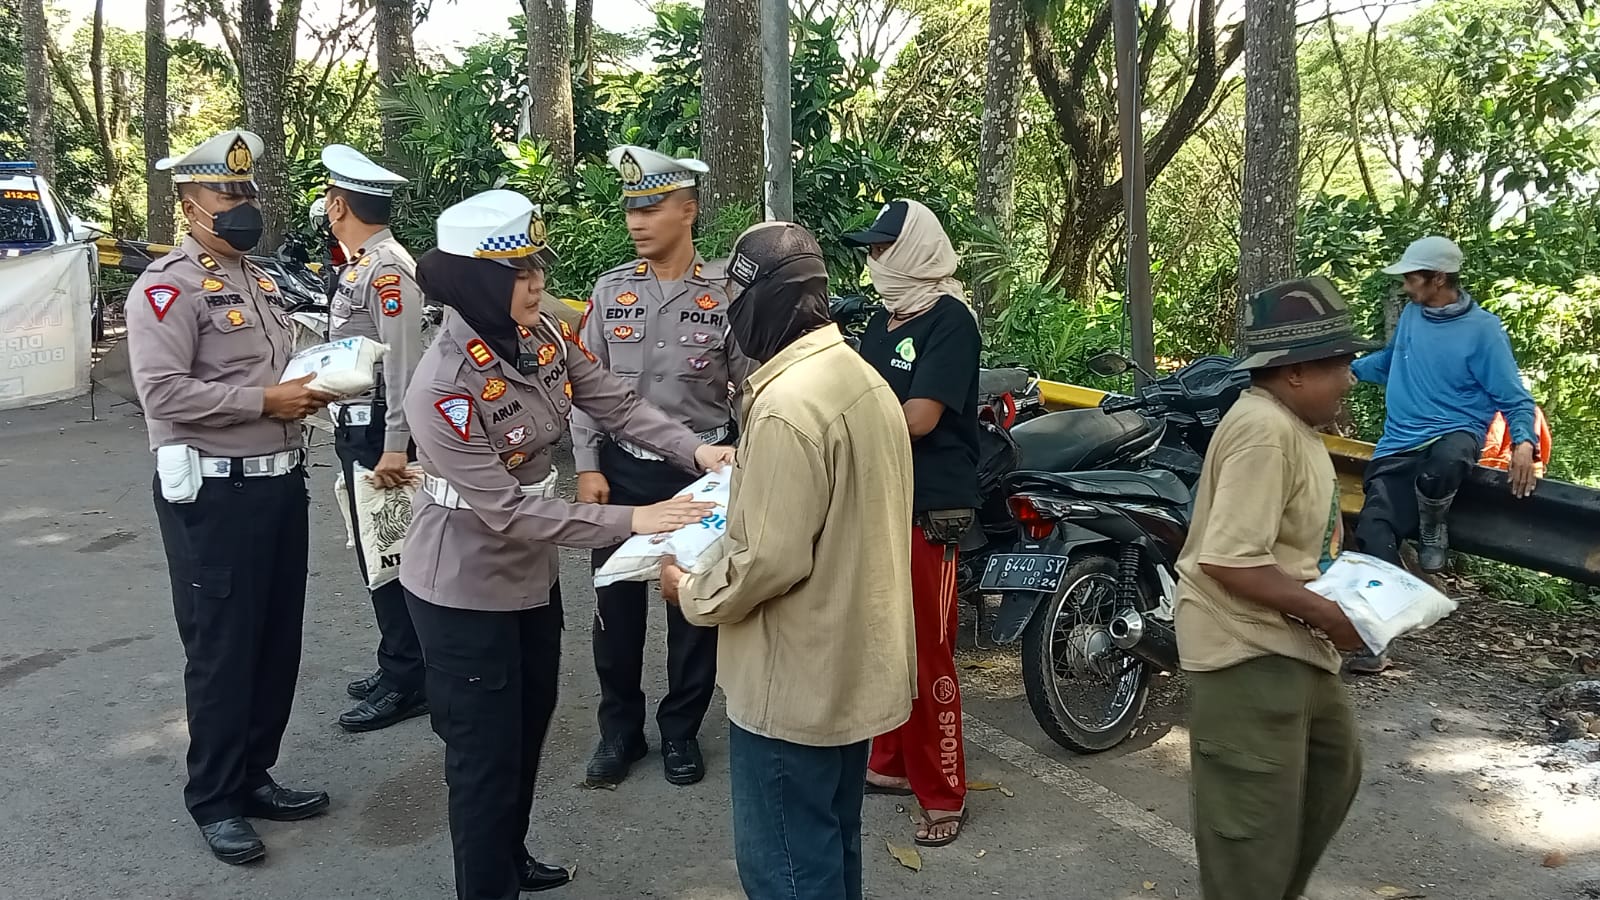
point(662, 326)
point(487, 406)
point(377, 298)
point(207, 346)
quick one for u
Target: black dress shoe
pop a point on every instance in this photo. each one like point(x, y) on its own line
point(361, 687)
point(382, 709)
point(682, 761)
point(233, 841)
point(279, 804)
point(534, 876)
point(611, 761)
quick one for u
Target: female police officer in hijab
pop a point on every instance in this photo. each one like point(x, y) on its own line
point(488, 403)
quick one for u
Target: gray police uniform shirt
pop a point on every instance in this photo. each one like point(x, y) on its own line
point(378, 298)
point(205, 341)
point(670, 340)
point(489, 427)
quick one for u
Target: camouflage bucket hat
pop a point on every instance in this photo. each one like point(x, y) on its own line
point(1297, 321)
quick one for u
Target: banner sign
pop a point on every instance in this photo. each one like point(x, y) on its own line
point(46, 299)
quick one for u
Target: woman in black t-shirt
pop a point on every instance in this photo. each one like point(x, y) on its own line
point(925, 344)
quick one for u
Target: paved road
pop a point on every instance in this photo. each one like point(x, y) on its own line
point(93, 744)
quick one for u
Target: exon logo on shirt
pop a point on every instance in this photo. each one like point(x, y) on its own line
point(907, 351)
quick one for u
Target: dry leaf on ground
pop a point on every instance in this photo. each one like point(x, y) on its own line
point(905, 856)
point(1555, 859)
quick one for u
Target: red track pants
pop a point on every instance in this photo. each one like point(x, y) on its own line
point(929, 749)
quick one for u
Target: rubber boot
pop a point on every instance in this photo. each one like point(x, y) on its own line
point(1433, 535)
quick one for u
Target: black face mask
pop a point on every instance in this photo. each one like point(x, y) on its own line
point(241, 226)
point(779, 307)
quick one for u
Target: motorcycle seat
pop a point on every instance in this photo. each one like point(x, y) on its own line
point(1148, 485)
point(1081, 438)
point(994, 382)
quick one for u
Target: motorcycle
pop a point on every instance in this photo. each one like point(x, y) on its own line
point(1099, 517)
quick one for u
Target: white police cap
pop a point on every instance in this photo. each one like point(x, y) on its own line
point(647, 176)
point(500, 225)
point(225, 164)
point(350, 169)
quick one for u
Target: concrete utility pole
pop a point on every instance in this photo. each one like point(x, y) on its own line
point(779, 109)
point(1141, 313)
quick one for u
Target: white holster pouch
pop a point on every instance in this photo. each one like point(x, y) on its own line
point(178, 467)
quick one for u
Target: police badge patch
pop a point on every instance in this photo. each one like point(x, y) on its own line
point(161, 297)
point(457, 411)
point(494, 389)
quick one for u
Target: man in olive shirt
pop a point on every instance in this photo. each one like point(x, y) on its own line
point(1276, 762)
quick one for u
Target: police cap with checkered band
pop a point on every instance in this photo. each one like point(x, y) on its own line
point(350, 169)
point(500, 225)
point(648, 176)
point(225, 164)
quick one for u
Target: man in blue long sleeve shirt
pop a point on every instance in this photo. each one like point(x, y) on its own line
point(1446, 372)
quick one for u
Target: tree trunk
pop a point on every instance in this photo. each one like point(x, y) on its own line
point(731, 140)
point(41, 131)
point(1271, 146)
point(550, 79)
point(397, 57)
point(158, 185)
point(266, 56)
point(583, 41)
point(1002, 99)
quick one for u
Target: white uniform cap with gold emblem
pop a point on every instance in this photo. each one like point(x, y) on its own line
point(225, 164)
point(647, 176)
point(350, 169)
point(500, 225)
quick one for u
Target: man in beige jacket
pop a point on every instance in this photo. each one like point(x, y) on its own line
point(811, 584)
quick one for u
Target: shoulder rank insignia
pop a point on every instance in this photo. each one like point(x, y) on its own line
point(547, 354)
point(365, 261)
point(705, 301)
point(641, 269)
point(697, 268)
point(211, 284)
point(353, 275)
point(478, 352)
point(494, 389)
point(566, 330)
point(627, 298)
point(207, 262)
point(161, 297)
point(457, 412)
point(523, 332)
point(383, 281)
point(568, 388)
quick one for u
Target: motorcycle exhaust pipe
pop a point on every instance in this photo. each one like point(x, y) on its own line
point(1148, 639)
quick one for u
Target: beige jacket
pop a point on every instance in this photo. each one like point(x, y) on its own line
point(812, 583)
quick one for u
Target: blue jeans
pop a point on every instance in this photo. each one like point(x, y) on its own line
point(797, 817)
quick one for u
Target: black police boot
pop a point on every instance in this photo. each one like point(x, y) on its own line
point(361, 687)
point(1433, 535)
point(611, 761)
point(682, 761)
point(234, 841)
point(534, 876)
point(276, 803)
point(382, 709)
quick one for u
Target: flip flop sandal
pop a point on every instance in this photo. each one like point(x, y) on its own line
point(887, 790)
point(960, 821)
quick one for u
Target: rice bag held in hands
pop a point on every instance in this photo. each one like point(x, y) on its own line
point(1382, 601)
point(639, 558)
point(344, 368)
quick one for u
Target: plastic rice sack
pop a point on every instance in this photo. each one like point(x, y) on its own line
point(1382, 601)
point(344, 368)
point(639, 558)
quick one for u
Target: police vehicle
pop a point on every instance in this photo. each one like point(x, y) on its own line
point(32, 217)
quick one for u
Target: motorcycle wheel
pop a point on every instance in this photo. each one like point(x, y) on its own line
point(1066, 645)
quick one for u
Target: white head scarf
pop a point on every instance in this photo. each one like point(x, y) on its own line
point(918, 268)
